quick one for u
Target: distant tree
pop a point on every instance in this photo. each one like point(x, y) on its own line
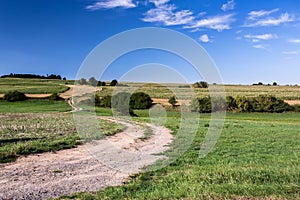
point(201, 84)
point(64, 78)
point(82, 81)
point(92, 81)
point(274, 84)
point(113, 82)
point(259, 83)
point(172, 101)
point(101, 83)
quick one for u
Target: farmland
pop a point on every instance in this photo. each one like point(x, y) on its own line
point(256, 157)
point(164, 91)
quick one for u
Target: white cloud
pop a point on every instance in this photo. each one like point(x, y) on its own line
point(261, 13)
point(297, 52)
point(260, 46)
point(228, 6)
point(107, 4)
point(218, 23)
point(294, 41)
point(256, 38)
point(271, 21)
point(167, 15)
point(158, 3)
point(204, 38)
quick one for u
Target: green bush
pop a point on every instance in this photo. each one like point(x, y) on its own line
point(261, 103)
point(105, 102)
point(14, 96)
point(120, 103)
point(55, 97)
point(140, 100)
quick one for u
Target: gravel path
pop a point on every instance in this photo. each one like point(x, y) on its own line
point(64, 172)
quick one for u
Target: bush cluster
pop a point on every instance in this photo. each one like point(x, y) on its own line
point(261, 103)
point(138, 100)
point(14, 96)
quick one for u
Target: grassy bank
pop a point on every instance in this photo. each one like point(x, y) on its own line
point(257, 156)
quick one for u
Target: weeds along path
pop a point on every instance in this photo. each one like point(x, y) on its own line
point(64, 172)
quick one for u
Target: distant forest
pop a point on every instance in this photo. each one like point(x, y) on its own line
point(51, 76)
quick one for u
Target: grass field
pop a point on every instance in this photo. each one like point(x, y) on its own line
point(32, 86)
point(29, 133)
point(257, 156)
point(165, 90)
point(34, 106)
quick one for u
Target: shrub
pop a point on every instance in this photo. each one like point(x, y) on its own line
point(120, 103)
point(201, 84)
point(105, 102)
point(172, 101)
point(202, 105)
point(55, 97)
point(14, 96)
point(140, 100)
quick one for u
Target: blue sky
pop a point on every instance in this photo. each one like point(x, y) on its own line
point(250, 41)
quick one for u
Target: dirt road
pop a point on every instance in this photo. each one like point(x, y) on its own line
point(64, 172)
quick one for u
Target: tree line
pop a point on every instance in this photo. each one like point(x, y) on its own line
point(94, 82)
point(51, 76)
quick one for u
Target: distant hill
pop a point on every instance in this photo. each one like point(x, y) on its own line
point(51, 76)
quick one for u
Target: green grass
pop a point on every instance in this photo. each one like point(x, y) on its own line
point(257, 156)
point(33, 86)
point(30, 133)
point(34, 106)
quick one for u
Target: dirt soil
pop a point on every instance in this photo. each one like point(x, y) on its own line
point(64, 172)
point(292, 102)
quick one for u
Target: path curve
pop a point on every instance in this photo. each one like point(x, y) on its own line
point(64, 172)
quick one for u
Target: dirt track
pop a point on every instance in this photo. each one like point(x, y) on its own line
point(64, 172)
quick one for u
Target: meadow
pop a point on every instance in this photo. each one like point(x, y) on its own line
point(256, 157)
point(33, 86)
point(164, 91)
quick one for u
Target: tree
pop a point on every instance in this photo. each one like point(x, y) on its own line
point(113, 82)
point(82, 81)
point(140, 100)
point(274, 84)
point(172, 101)
point(92, 81)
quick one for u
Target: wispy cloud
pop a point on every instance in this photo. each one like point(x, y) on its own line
point(108, 4)
point(260, 13)
point(204, 38)
point(158, 3)
point(260, 46)
point(219, 23)
point(167, 14)
point(297, 52)
point(257, 20)
point(294, 41)
point(257, 38)
point(228, 6)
